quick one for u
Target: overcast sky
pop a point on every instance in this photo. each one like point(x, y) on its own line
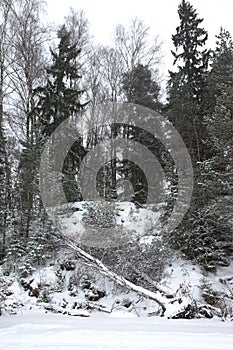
point(160, 15)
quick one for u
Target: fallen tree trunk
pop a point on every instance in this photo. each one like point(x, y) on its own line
point(98, 307)
point(104, 270)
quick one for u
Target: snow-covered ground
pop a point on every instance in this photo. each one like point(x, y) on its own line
point(37, 330)
point(136, 222)
point(66, 285)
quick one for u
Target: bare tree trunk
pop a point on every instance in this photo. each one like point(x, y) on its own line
point(2, 177)
point(4, 169)
point(27, 71)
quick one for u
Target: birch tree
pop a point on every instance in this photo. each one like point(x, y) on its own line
point(5, 9)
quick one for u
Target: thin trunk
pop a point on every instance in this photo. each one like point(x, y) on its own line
point(112, 275)
point(2, 162)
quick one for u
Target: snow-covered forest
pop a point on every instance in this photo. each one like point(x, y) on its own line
point(116, 194)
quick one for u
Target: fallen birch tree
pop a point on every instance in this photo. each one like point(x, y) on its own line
point(104, 270)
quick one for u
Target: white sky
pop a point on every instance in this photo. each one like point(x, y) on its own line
point(160, 15)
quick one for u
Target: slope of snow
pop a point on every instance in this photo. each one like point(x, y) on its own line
point(37, 330)
point(135, 221)
point(181, 283)
point(61, 290)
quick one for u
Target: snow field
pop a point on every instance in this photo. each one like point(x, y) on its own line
point(122, 331)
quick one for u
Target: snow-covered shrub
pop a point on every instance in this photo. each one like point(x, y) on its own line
point(215, 298)
point(5, 292)
point(24, 254)
point(142, 264)
point(15, 252)
point(85, 282)
point(44, 296)
point(193, 310)
point(205, 237)
point(211, 296)
point(100, 215)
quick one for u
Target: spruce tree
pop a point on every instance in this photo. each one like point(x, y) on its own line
point(60, 99)
point(187, 86)
point(187, 90)
point(219, 119)
point(204, 234)
point(217, 171)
